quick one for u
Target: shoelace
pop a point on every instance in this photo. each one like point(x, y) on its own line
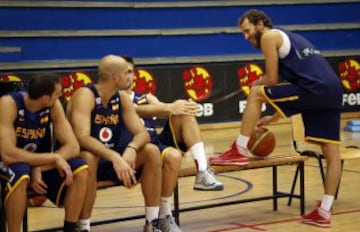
point(209, 178)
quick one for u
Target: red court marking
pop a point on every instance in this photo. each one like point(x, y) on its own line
point(238, 226)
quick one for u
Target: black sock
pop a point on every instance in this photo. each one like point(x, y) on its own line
point(69, 226)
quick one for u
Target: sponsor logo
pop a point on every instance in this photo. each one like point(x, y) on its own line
point(247, 75)
point(198, 83)
point(105, 134)
point(10, 78)
point(349, 72)
point(144, 82)
point(31, 147)
point(71, 82)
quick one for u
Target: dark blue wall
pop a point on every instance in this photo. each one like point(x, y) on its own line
point(74, 20)
point(63, 18)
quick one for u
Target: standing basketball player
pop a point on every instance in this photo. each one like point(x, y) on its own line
point(100, 115)
point(26, 148)
point(312, 89)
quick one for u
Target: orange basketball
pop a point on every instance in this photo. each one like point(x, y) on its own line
point(262, 142)
point(37, 201)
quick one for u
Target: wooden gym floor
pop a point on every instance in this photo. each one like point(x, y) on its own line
point(255, 216)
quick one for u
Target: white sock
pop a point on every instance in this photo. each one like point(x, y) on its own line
point(198, 154)
point(151, 213)
point(83, 224)
point(165, 207)
point(241, 144)
point(327, 202)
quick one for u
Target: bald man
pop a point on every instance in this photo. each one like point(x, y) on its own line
point(98, 125)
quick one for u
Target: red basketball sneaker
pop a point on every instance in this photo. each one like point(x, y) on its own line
point(230, 157)
point(317, 217)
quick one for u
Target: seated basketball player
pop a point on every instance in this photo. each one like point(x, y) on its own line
point(100, 115)
point(180, 133)
point(26, 148)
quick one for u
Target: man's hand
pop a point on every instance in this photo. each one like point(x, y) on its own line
point(37, 183)
point(124, 171)
point(64, 169)
point(129, 156)
point(183, 107)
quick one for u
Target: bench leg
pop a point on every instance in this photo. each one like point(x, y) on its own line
point(176, 204)
point(275, 188)
point(301, 168)
point(293, 184)
point(25, 220)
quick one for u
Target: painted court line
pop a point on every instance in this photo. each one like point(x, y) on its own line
point(257, 227)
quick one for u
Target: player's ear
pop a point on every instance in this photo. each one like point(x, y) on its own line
point(260, 24)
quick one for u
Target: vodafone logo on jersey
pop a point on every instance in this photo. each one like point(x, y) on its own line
point(105, 134)
point(349, 72)
point(30, 147)
point(247, 75)
point(72, 82)
point(144, 82)
point(198, 83)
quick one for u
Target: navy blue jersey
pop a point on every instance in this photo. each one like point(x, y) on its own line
point(149, 123)
point(32, 128)
point(106, 123)
point(305, 66)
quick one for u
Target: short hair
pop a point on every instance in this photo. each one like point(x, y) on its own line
point(254, 16)
point(128, 59)
point(42, 84)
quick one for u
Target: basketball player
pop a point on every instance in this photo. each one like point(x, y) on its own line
point(180, 133)
point(26, 148)
point(312, 89)
point(100, 115)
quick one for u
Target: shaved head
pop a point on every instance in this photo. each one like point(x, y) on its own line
point(110, 65)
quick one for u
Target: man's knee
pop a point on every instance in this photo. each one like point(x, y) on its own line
point(152, 154)
point(256, 93)
point(172, 159)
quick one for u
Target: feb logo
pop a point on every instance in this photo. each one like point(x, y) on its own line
point(72, 82)
point(349, 72)
point(144, 82)
point(247, 75)
point(10, 78)
point(197, 83)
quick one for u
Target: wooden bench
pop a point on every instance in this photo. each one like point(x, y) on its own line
point(273, 161)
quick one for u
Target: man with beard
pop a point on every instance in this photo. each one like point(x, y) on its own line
point(313, 90)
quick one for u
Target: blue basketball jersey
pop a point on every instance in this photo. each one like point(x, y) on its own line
point(149, 123)
point(32, 128)
point(106, 122)
point(306, 66)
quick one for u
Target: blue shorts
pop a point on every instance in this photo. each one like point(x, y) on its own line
point(56, 187)
point(167, 137)
point(106, 172)
point(321, 112)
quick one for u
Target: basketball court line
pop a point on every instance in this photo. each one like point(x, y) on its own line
point(238, 226)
